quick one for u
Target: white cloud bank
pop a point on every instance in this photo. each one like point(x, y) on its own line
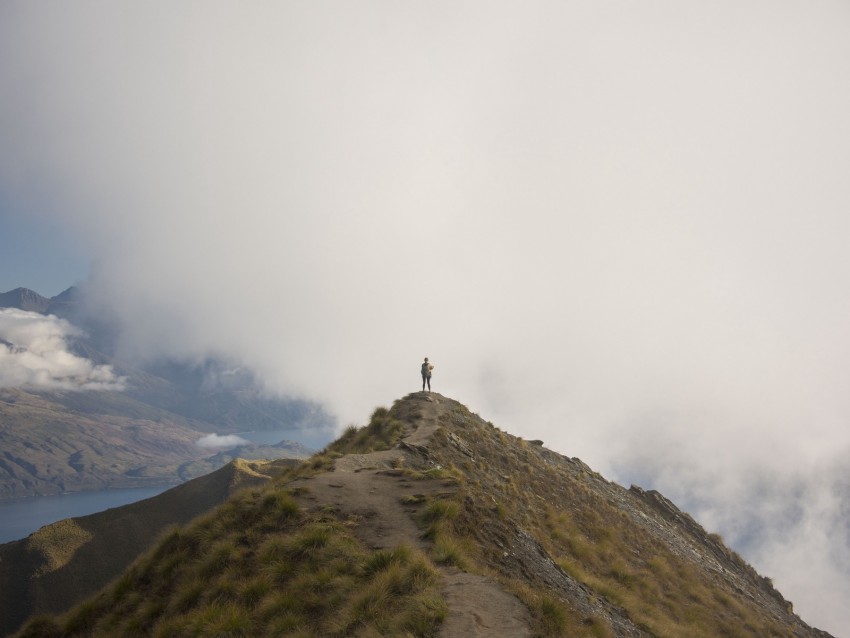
point(619, 227)
point(34, 354)
point(220, 441)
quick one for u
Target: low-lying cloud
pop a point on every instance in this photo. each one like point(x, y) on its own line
point(220, 441)
point(619, 229)
point(34, 354)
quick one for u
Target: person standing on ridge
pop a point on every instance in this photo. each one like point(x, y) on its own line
point(426, 374)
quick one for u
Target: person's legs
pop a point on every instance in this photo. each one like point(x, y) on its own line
point(429, 384)
point(423, 383)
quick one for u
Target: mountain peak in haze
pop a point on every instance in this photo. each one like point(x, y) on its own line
point(67, 295)
point(24, 299)
point(430, 521)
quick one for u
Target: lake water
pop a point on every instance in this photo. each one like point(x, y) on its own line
point(20, 517)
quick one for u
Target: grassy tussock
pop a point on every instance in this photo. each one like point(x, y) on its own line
point(554, 618)
point(435, 474)
point(447, 546)
point(57, 543)
point(382, 433)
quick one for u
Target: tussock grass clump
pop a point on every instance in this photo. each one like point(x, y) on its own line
point(448, 546)
point(383, 559)
point(57, 543)
point(553, 618)
point(436, 518)
point(382, 433)
point(434, 473)
point(440, 510)
point(450, 550)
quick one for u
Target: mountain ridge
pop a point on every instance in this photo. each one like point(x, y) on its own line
point(66, 561)
point(431, 521)
point(24, 299)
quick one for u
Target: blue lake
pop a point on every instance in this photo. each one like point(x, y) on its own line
point(20, 517)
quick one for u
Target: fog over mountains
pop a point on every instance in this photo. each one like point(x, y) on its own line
point(618, 227)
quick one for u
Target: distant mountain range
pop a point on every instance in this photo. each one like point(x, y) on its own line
point(59, 441)
point(26, 299)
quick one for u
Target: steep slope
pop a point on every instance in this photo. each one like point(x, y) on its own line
point(65, 562)
point(432, 522)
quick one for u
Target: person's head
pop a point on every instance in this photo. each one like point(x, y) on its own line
point(426, 359)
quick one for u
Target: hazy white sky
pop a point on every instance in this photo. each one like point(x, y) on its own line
point(619, 227)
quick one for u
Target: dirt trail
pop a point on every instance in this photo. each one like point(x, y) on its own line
point(479, 607)
point(368, 489)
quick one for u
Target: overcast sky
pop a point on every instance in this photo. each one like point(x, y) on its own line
point(617, 226)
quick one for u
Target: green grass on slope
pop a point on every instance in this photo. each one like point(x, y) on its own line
point(259, 566)
point(382, 433)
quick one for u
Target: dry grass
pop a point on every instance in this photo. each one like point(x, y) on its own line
point(57, 543)
point(382, 433)
point(512, 485)
point(663, 593)
point(261, 566)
